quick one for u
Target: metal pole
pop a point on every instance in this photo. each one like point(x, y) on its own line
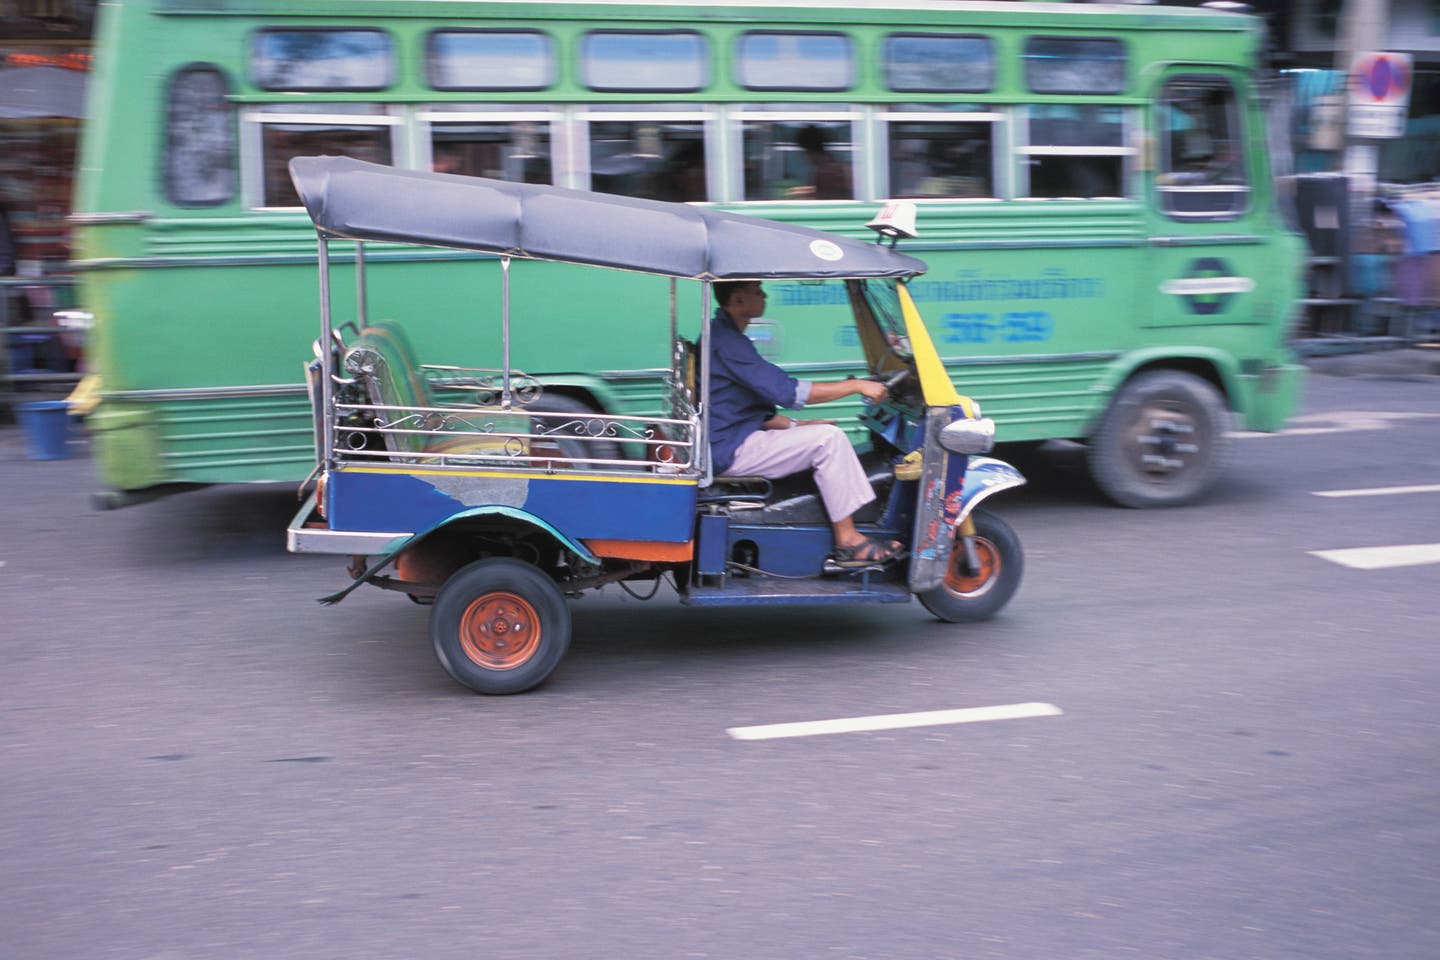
point(505, 332)
point(702, 442)
point(1362, 30)
point(327, 346)
point(362, 306)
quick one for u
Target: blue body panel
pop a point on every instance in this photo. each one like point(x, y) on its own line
point(586, 508)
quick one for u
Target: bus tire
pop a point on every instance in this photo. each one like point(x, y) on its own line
point(568, 447)
point(1163, 442)
point(500, 626)
point(966, 597)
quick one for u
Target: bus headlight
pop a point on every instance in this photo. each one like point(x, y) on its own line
point(968, 436)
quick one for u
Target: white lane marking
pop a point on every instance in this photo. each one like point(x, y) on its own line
point(1342, 421)
point(1382, 558)
point(1378, 491)
point(895, 721)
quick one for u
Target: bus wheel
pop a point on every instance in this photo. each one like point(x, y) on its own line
point(969, 595)
point(577, 436)
point(1163, 442)
point(500, 626)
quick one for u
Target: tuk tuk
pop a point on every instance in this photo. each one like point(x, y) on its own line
point(471, 491)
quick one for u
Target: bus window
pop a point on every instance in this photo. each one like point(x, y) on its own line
point(501, 147)
point(644, 60)
point(772, 60)
point(313, 59)
point(489, 60)
point(1075, 151)
point(939, 63)
point(939, 154)
point(354, 130)
point(200, 138)
point(798, 159)
point(1074, 65)
point(659, 157)
point(1202, 173)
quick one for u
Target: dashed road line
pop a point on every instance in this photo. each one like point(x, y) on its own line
point(895, 721)
point(1382, 558)
point(1378, 491)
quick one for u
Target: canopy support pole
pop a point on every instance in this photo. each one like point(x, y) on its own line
point(702, 443)
point(327, 348)
point(505, 333)
point(674, 326)
point(362, 306)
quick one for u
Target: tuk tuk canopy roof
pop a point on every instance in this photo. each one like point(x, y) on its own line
point(354, 200)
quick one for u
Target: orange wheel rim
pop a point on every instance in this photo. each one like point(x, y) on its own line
point(961, 583)
point(500, 631)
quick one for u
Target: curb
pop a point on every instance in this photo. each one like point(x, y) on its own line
point(1402, 362)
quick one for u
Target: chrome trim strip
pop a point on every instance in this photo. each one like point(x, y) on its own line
point(1217, 240)
point(90, 219)
point(1099, 356)
point(348, 542)
point(207, 393)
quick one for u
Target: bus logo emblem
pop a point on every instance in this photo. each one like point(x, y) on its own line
point(1207, 286)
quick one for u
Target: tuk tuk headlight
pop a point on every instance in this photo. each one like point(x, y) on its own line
point(968, 436)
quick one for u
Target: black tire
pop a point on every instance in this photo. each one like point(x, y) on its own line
point(1163, 442)
point(500, 626)
point(564, 441)
point(966, 598)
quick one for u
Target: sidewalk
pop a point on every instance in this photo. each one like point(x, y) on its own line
point(1362, 362)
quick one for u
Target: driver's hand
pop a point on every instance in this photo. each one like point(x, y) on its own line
point(873, 391)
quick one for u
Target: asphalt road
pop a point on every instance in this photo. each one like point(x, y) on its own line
point(199, 761)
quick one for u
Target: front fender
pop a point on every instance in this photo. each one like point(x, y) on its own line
point(400, 543)
point(985, 477)
point(1176, 357)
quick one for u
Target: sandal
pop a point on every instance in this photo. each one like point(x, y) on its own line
point(868, 553)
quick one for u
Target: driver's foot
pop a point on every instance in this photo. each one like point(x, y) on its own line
point(866, 552)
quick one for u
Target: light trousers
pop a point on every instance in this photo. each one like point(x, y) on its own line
point(822, 447)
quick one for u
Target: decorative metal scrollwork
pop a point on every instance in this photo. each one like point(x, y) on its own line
point(488, 385)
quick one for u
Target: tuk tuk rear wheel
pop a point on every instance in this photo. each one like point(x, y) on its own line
point(967, 596)
point(500, 626)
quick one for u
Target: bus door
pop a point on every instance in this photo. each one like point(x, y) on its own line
point(1206, 239)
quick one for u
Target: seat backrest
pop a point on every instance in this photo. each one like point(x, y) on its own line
point(383, 360)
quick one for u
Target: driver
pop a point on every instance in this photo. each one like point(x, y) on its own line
point(749, 438)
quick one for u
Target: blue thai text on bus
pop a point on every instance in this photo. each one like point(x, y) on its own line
point(1030, 324)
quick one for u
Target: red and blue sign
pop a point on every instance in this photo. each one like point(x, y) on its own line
point(1382, 77)
point(1379, 96)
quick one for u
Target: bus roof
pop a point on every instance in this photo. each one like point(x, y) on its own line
point(855, 10)
point(354, 200)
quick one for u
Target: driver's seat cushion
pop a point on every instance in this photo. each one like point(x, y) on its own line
point(795, 499)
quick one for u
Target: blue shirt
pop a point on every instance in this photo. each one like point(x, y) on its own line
point(745, 390)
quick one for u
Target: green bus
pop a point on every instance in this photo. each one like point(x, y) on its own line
point(1107, 263)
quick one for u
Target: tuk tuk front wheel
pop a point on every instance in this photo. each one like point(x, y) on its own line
point(970, 595)
point(500, 626)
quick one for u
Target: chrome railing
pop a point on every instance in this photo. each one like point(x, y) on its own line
point(518, 437)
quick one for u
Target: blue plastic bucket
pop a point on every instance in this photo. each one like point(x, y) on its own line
point(47, 429)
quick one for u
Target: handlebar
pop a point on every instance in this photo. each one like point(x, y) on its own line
point(896, 380)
